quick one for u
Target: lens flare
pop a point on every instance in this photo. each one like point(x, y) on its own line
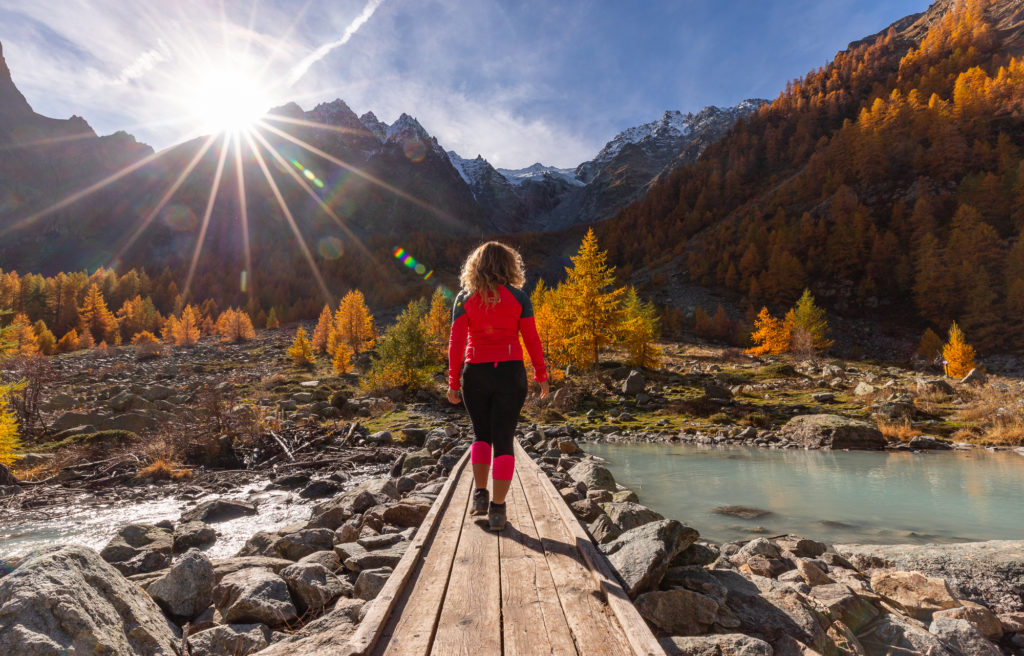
point(330, 248)
point(415, 150)
point(309, 175)
point(180, 218)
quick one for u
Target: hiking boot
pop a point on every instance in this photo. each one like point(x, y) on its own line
point(496, 516)
point(480, 498)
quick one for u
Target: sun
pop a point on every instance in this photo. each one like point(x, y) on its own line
point(224, 99)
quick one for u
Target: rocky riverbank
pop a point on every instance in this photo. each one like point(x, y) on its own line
point(792, 595)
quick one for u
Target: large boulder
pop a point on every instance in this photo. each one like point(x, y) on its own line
point(726, 644)
point(219, 510)
point(254, 596)
point(312, 586)
point(980, 617)
point(991, 573)
point(962, 636)
point(642, 555)
point(417, 459)
point(406, 513)
point(832, 432)
point(187, 588)
point(139, 548)
point(842, 604)
point(333, 513)
point(230, 640)
point(634, 383)
point(593, 475)
point(678, 612)
point(918, 595)
point(370, 581)
point(193, 535)
point(628, 515)
point(299, 544)
point(70, 600)
point(893, 634)
point(325, 635)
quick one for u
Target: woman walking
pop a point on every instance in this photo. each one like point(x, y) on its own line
point(489, 314)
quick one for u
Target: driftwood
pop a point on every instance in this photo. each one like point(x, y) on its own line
point(287, 451)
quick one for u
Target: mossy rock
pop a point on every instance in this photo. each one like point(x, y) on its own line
point(103, 438)
point(778, 370)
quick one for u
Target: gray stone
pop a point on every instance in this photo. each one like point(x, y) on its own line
point(333, 513)
point(963, 637)
point(218, 510)
point(299, 544)
point(406, 513)
point(193, 535)
point(863, 389)
point(254, 596)
point(634, 383)
point(918, 595)
point(373, 559)
point(370, 581)
point(627, 516)
point(892, 634)
point(642, 555)
point(324, 635)
point(980, 618)
point(139, 548)
point(678, 612)
point(697, 553)
point(187, 588)
point(929, 443)
point(328, 559)
point(70, 600)
point(230, 640)
point(595, 476)
point(832, 432)
point(603, 530)
point(319, 489)
point(417, 459)
point(843, 604)
point(312, 586)
point(975, 376)
point(726, 644)
point(770, 610)
point(935, 386)
point(625, 495)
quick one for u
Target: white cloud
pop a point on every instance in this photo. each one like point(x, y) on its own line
point(302, 67)
point(146, 62)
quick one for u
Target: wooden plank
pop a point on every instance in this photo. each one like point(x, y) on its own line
point(410, 628)
point(470, 622)
point(594, 627)
point(380, 608)
point(639, 636)
point(531, 617)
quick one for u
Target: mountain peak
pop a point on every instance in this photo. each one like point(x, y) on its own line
point(12, 104)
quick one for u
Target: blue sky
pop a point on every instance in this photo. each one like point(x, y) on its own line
point(517, 81)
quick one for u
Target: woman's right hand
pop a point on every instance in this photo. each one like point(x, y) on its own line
point(454, 396)
point(544, 388)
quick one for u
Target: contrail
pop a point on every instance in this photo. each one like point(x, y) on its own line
point(300, 69)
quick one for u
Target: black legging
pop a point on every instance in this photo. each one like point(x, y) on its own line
point(494, 393)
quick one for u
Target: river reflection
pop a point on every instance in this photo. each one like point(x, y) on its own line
point(834, 496)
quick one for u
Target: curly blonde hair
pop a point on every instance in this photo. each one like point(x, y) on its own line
point(490, 265)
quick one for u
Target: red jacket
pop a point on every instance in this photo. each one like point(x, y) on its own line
point(491, 334)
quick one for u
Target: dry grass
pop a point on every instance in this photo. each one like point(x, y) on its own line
point(37, 473)
point(898, 430)
point(162, 470)
point(992, 414)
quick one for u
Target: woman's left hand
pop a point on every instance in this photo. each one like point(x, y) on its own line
point(454, 397)
point(544, 388)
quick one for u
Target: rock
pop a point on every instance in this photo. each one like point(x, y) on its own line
point(603, 530)
point(642, 555)
point(717, 392)
point(325, 635)
point(412, 436)
point(254, 596)
point(374, 559)
point(980, 618)
point(333, 513)
point(299, 544)
point(70, 600)
point(915, 593)
point(71, 420)
point(417, 459)
point(863, 389)
point(593, 475)
point(678, 612)
point(312, 586)
point(319, 489)
point(634, 383)
point(935, 386)
point(218, 510)
point(697, 553)
point(975, 376)
point(743, 512)
point(225, 566)
point(6, 477)
point(928, 443)
point(625, 495)
point(328, 559)
point(832, 432)
point(726, 644)
point(811, 573)
point(139, 548)
point(407, 513)
point(382, 541)
point(370, 581)
point(193, 535)
point(1012, 622)
point(802, 546)
point(892, 634)
point(586, 510)
point(187, 588)
point(823, 397)
point(230, 640)
point(963, 637)
point(758, 547)
point(628, 515)
point(843, 604)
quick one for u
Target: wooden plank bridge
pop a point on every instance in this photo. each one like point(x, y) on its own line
point(540, 586)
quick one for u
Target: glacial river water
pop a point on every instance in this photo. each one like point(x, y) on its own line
point(833, 496)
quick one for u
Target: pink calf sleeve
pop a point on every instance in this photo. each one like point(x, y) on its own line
point(503, 468)
point(480, 452)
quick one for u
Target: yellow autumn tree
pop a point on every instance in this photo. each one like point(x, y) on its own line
point(301, 351)
point(808, 317)
point(85, 341)
point(589, 310)
point(342, 360)
point(771, 335)
point(185, 330)
point(437, 324)
point(323, 330)
point(95, 318)
point(21, 337)
point(931, 345)
point(958, 354)
point(353, 324)
point(9, 441)
point(545, 301)
point(234, 325)
point(273, 322)
point(639, 331)
point(69, 342)
point(44, 338)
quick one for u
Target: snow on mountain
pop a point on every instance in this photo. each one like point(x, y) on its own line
point(537, 172)
point(376, 127)
point(472, 170)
